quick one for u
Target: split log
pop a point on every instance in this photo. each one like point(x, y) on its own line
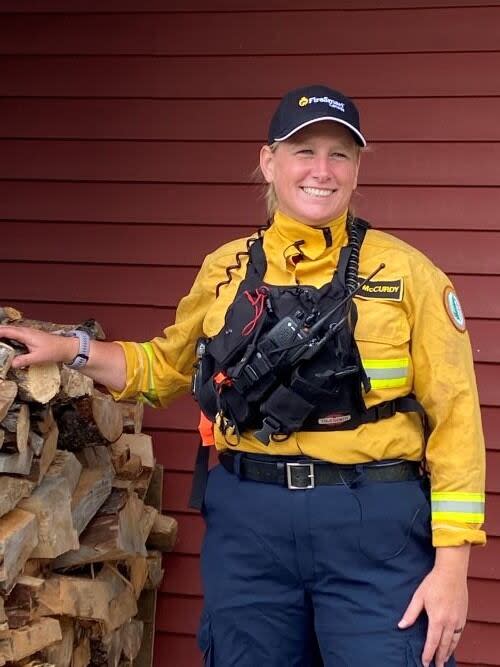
point(155, 570)
point(108, 599)
point(42, 419)
point(7, 353)
point(9, 314)
point(88, 421)
point(137, 569)
point(163, 533)
point(42, 422)
point(20, 606)
point(134, 459)
point(35, 441)
point(65, 465)
point(16, 424)
point(138, 444)
point(12, 490)
point(41, 464)
point(3, 618)
point(61, 652)
point(18, 464)
point(51, 504)
point(81, 654)
point(35, 637)
point(111, 535)
point(18, 538)
point(106, 650)
point(74, 384)
point(91, 326)
point(131, 638)
point(38, 383)
point(132, 415)
point(8, 392)
point(147, 521)
point(93, 488)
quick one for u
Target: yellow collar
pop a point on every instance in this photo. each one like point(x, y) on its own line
point(312, 241)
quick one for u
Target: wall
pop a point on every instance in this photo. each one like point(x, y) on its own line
point(129, 130)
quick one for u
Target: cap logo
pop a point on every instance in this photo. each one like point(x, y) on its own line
point(334, 104)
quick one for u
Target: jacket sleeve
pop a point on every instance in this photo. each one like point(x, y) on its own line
point(159, 370)
point(445, 384)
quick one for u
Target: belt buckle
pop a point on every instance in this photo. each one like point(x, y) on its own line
point(292, 481)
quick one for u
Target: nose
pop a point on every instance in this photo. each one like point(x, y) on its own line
point(321, 168)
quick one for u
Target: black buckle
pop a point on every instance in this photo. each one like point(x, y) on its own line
point(385, 410)
point(270, 427)
point(300, 475)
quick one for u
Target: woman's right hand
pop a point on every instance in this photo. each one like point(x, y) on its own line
point(42, 346)
point(106, 364)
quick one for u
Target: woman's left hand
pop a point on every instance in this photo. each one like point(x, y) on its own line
point(443, 594)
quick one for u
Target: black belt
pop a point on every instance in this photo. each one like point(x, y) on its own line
point(307, 473)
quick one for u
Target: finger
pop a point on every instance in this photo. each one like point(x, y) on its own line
point(444, 648)
point(23, 360)
point(432, 641)
point(412, 612)
point(454, 643)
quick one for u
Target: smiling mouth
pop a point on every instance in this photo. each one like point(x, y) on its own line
point(317, 192)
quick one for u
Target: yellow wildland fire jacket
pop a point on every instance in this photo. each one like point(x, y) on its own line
point(411, 337)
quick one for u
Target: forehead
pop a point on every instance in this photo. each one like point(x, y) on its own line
point(325, 130)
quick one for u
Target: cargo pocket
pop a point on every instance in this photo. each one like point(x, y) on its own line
point(392, 515)
point(205, 641)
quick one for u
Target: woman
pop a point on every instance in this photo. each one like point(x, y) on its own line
point(319, 516)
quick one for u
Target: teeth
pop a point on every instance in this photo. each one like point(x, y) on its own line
point(317, 192)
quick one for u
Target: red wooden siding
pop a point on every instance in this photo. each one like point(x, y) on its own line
point(128, 133)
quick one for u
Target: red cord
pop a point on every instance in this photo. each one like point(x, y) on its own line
point(258, 302)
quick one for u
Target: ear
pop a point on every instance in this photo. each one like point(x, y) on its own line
point(267, 163)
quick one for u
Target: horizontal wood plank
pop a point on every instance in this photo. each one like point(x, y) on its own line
point(190, 535)
point(120, 6)
point(444, 119)
point(408, 75)
point(184, 245)
point(133, 285)
point(181, 649)
point(476, 645)
point(182, 575)
point(387, 207)
point(434, 164)
point(177, 614)
point(262, 33)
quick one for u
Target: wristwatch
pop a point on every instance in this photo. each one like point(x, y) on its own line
point(82, 356)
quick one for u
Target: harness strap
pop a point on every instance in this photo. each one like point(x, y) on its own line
point(375, 413)
point(200, 478)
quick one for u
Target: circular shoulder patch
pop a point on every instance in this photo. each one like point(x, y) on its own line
point(454, 309)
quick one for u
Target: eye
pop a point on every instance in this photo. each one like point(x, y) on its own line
point(339, 155)
point(304, 151)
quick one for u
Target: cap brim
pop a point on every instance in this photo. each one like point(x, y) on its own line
point(359, 138)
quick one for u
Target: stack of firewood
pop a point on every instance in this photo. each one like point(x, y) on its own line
point(81, 533)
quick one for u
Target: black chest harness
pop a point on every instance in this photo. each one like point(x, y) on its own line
point(287, 360)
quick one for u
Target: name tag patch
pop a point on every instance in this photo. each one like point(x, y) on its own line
point(382, 289)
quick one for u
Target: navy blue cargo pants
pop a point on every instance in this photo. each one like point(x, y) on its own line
point(338, 563)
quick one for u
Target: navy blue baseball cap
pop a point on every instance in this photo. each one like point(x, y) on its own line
point(311, 104)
